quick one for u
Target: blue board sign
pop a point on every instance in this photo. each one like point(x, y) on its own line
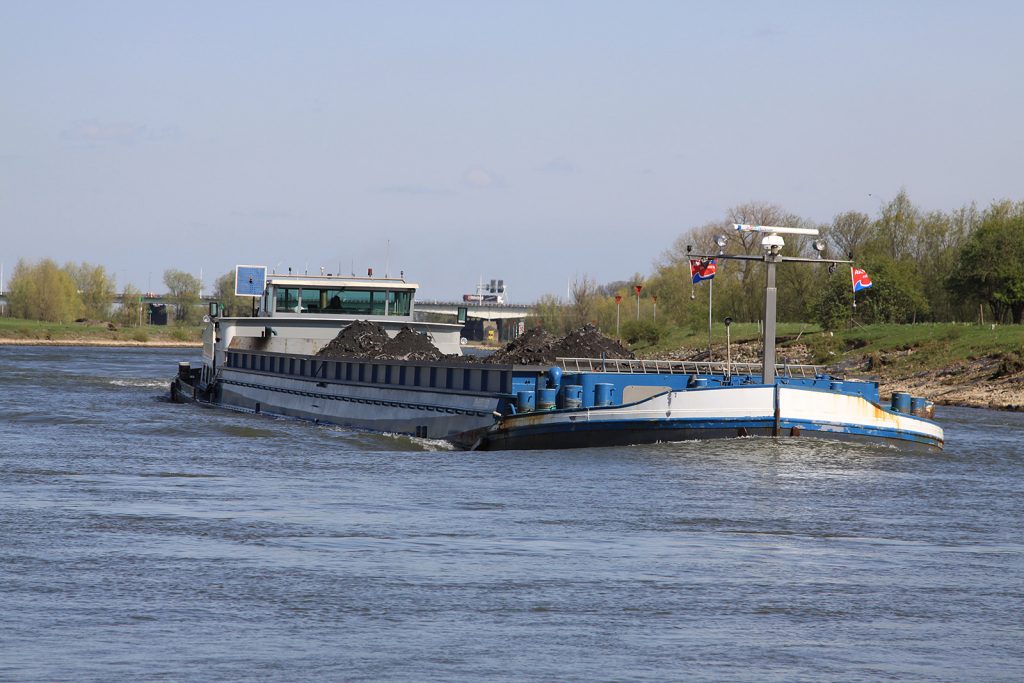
point(250, 280)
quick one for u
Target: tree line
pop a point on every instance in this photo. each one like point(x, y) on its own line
point(85, 292)
point(925, 266)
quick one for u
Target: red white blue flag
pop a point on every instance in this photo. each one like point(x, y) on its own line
point(860, 279)
point(702, 269)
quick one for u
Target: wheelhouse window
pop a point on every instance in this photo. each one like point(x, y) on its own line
point(346, 301)
point(311, 301)
point(357, 301)
point(399, 302)
point(287, 299)
point(331, 300)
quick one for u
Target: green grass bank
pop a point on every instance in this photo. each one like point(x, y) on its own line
point(18, 331)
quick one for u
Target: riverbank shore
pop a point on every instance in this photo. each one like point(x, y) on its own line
point(160, 343)
point(976, 383)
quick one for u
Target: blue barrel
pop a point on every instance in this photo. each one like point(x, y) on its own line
point(918, 405)
point(836, 386)
point(554, 377)
point(699, 382)
point(525, 401)
point(546, 399)
point(901, 402)
point(572, 396)
point(603, 393)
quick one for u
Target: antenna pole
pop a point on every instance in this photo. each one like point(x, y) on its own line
point(770, 294)
point(711, 289)
point(728, 351)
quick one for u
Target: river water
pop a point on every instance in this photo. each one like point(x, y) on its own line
point(141, 540)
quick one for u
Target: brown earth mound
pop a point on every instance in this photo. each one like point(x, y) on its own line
point(361, 339)
point(537, 347)
point(533, 347)
point(410, 345)
point(588, 342)
point(364, 339)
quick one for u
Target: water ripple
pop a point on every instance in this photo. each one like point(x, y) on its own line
point(143, 540)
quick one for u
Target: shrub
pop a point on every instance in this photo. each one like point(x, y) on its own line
point(183, 290)
point(43, 292)
point(95, 289)
point(832, 307)
point(634, 331)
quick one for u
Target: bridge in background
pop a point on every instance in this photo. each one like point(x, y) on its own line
point(485, 321)
point(474, 309)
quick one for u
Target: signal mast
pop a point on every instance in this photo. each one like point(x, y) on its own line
point(771, 244)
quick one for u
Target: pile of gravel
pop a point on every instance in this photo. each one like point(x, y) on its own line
point(364, 339)
point(537, 347)
point(361, 339)
point(588, 342)
point(409, 344)
point(533, 347)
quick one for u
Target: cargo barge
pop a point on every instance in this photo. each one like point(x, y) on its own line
point(267, 364)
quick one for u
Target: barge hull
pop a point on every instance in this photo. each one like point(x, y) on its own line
point(715, 413)
point(596, 434)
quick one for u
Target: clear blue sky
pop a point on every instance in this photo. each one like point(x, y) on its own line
point(531, 141)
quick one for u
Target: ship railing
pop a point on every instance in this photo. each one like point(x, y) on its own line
point(684, 367)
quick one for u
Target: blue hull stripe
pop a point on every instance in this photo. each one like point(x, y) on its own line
point(728, 427)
